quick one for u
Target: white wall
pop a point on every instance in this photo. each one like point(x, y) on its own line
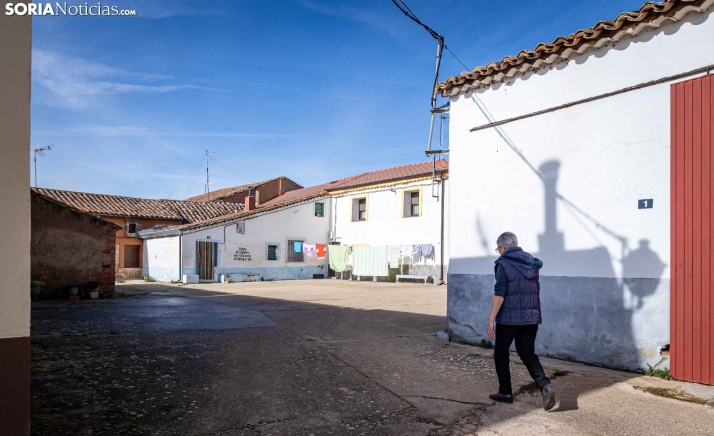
point(385, 224)
point(161, 258)
point(605, 280)
point(611, 152)
point(296, 222)
point(15, 68)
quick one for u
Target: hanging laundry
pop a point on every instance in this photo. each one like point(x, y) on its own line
point(338, 256)
point(308, 250)
point(277, 253)
point(394, 256)
point(405, 250)
point(321, 250)
point(297, 246)
point(416, 253)
point(371, 261)
point(427, 250)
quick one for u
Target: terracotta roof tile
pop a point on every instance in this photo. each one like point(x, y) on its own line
point(563, 47)
point(389, 174)
point(119, 206)
point(220, 194)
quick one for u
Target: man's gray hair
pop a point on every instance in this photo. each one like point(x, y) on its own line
point(507, 240)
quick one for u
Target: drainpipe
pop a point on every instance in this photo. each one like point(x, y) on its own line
point(180, 259)
point(443, 193)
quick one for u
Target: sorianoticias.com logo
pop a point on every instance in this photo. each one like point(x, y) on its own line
point(97, 10)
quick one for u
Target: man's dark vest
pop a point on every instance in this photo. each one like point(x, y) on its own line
point(521, 305)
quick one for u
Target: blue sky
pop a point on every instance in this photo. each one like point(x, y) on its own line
point(314, 90)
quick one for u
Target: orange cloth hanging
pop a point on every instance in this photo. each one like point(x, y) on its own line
point(321, 250)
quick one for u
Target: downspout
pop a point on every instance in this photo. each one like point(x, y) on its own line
point(180, 258)
point(443, 193)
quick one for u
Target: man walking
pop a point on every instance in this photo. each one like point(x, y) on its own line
point(516, 311)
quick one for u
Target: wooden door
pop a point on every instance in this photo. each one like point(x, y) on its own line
point(206, 259)
point(692, 222)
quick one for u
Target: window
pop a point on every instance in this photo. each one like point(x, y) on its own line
point(411, 203)
point(272, 252)
point(362, 210)
point(294, 256)
point(319, 209)
point(359, 209)
point(132, 228)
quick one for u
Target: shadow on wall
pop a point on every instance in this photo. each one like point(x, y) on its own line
point(589, 314)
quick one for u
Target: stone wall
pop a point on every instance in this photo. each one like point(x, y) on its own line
point(70, 248)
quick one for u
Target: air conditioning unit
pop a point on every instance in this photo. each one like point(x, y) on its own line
point(240, 227)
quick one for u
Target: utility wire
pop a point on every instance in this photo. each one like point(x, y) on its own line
point(194, 179)
point(408, 12)
point(184, 179)
point(243, 179)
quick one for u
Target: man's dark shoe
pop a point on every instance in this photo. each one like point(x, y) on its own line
point(548, 393)
point(502, 398)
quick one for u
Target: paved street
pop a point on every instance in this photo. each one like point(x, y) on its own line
point(320, 357)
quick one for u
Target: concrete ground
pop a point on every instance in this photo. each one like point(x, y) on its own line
point(318, 357)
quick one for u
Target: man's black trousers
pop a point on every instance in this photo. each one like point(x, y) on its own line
point(525, 336)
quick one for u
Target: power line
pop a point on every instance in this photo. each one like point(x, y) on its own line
point(231, 172)
point(457, 58)
point(194, 178)
point(184, 179)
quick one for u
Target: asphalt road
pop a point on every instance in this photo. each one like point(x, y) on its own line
point(318, 357)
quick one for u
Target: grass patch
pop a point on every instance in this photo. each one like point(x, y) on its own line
point(675, 394)
point(121, 281)
point(559, 373)
point(485, 344)
point(661, 373)
point(149, 279)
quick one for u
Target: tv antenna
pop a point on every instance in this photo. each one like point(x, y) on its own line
point(208, 183)
point(439, 50)
point(39, 151)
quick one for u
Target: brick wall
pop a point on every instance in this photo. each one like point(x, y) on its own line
point(70, 248)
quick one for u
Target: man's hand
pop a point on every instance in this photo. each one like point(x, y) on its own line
point(495, 307)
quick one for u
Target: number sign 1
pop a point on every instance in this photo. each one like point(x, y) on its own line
point(645, 204)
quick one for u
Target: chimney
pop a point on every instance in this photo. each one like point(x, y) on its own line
point(250, 200)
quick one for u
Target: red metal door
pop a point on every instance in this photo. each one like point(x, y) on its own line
point(692, 223)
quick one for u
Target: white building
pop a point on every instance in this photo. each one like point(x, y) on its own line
point(256, 241)
point(570, 147)
point(399, 206)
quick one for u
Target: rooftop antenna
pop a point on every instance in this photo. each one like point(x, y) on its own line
point(439, 50)
point(207, 191)
point(39, 151)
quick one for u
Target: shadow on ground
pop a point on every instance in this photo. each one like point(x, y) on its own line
point(196, 362)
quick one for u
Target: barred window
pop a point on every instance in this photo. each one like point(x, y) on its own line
point(294, 256)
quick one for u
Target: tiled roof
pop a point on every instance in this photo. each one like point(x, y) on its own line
point(219, 194)
point(74, 209)
point(627, 24)
point(319, 191)
point(389, 175)
point(118, 206)
point(307, 194)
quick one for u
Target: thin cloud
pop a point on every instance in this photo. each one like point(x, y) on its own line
point(100, 130)
point(378, 21)
point(78, 82)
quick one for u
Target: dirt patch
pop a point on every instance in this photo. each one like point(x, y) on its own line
point(675, 394)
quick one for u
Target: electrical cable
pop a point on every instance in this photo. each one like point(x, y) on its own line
point(193, 180)
point(184, 179)
point(241, 178)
